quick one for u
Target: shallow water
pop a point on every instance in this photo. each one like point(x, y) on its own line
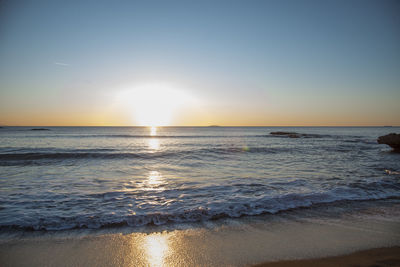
point(94, 177)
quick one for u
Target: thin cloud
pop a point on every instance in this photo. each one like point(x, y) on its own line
point(61, 64)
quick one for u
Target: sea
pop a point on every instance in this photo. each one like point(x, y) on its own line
point(65, 178)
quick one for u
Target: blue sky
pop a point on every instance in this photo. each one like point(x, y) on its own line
point(245, 62)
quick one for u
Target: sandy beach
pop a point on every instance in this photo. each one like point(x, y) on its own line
point(281, 240)
point(373, 257)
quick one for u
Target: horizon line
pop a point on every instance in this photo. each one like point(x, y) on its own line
point(208, 126)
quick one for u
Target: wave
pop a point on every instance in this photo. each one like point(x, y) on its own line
point(81, 154)
point(77, 155)
point(105, 216)
point(10, 156)
point(283, 204)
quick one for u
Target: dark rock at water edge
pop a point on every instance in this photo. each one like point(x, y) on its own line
point(392, 140)
point(40, 129)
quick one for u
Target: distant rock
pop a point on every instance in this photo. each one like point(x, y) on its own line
point(392, 140)
point(288, 134)
point(296, 135)
point(40, 129)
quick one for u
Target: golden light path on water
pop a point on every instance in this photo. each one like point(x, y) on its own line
point(153, 130)
point(155, 245)
point(154, 179)
point(153, 143)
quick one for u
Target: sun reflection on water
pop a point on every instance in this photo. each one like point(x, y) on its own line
point(156, 247)
point(154, 144)
point(154, 178)
point(153, 131)
point(154, 181)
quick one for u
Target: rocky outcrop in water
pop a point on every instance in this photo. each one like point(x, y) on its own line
point(287, 134)
point(295, 135)
point(392, 140)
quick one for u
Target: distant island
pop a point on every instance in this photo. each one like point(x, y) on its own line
point(40, 129)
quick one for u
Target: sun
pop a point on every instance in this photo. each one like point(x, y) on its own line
point(154, 104)
point(153, 107)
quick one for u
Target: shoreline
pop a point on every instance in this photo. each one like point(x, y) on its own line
point(382, 257)
point(295, 238)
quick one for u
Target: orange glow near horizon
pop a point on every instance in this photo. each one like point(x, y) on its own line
point(211, 117)
point(164, 104)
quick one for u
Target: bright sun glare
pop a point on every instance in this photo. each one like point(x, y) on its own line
point(154, 104)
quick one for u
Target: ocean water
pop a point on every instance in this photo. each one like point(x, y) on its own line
point(96, 177)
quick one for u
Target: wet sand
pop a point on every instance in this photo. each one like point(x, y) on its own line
point(379, 257)
point(243, 242)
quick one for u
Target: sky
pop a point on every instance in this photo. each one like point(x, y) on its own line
point(188, 63)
